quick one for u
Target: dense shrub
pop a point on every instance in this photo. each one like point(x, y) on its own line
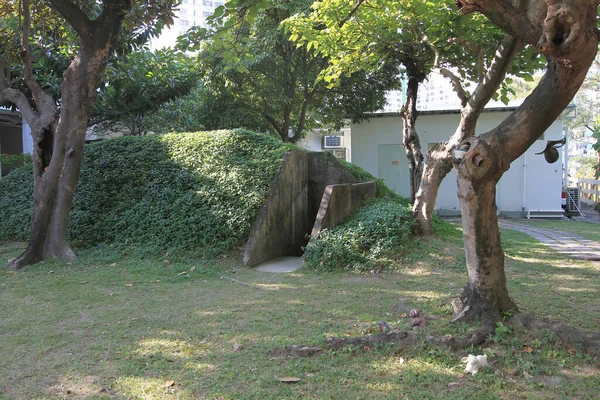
point(16, 200)
point(375, 231)
point(195, 191)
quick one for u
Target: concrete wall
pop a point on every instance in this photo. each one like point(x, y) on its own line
point(339, 202)
point(285, 221)
point(282, 222)
point(530, 183)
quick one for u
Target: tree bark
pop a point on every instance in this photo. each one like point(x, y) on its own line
point(410, 138)
point(569, 41)
point(57, 166)
point(439, 159)
point(485, 294)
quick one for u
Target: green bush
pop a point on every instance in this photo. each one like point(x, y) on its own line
point(194, 191)
point(15, 160)
point(16, 201)
point(364, 243)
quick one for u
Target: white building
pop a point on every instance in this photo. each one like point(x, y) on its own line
point(190, 13)
point(531, 187)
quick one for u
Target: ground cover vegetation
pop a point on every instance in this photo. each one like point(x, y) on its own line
point(195, 191)
point(112, 325)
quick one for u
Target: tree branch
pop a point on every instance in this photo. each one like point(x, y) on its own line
point(35, 88)
point(506, 16)
point(17, 98)
point(503, 58)
point(74, 16)
point(458, 87)
point(351, 14)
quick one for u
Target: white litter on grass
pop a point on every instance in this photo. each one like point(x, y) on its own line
point(475, 363)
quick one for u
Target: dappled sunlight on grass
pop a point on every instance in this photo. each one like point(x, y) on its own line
point(168, 348)
point(275, 286)
point(576, 290)
point(151, 388)
point(78, 386)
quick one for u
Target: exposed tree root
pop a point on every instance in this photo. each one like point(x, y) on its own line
point(570, 335)
point(401, 338)
point(26, 258)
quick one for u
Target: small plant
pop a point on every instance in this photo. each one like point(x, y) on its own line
point(365, 241)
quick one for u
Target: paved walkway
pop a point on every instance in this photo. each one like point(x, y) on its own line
point(564, 242)
point(281, 265)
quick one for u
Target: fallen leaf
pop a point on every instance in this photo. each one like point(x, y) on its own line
point(527, 349)
point(572, 351)
point(192, 269)
point(83, 282)
point(14, 272)
point(167, 254)
point(112, 265)
point(129, 284)
point(289, 379)
point(403, 315)
point(451, 384)
point(237, 346)
point(182, 273)
point(402, 360)
point(69, 263)
point(169, 383)
point(167, 261)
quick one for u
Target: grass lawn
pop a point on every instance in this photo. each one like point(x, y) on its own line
point(114, 325)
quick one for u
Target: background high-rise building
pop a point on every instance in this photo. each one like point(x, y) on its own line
point(190, 13)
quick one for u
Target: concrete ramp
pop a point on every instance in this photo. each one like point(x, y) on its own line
point(285, 221)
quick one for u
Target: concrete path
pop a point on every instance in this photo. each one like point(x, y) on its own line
point(281, 265)
point(564, 242)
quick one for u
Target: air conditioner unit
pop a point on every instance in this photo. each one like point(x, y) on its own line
point(332, 142)
point(573, 204)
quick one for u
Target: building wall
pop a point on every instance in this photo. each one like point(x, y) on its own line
point(531, 184)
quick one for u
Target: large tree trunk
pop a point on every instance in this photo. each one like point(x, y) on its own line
point(410, 138)
point(57, 166)
point(569, 40)
point(439, 159)
point(485, 293)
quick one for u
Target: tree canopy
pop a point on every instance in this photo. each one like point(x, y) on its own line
point(280, 78)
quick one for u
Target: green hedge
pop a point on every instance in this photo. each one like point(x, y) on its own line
point(364, 243)
point(16, 201)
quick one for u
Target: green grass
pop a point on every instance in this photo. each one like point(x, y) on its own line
point(114, 324)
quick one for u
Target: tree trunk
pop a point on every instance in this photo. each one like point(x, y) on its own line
point(55, 181)
point(569, 40)
point(410, 138)
point(439, 159)
point(485, 293)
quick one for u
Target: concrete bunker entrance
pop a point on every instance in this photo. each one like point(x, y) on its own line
point(312, 191)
